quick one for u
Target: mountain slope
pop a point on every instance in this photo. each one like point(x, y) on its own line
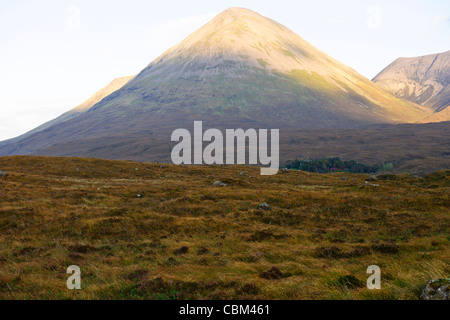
point(114, 85)
point(443, 115)
point(423, 80)
point(239, 70)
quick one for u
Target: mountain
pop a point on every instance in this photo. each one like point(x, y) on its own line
point(443, 115)
point(239, 70)
point(114, 85)
point(423, 80)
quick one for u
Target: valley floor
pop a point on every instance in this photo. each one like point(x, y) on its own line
point(151, 231)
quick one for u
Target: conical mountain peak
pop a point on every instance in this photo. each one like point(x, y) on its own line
point(251, 40)
point(238, 13)
point(242, 46)
point(234, 16)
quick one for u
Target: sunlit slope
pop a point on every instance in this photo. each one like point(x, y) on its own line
point(248, 64)
point(113, 86)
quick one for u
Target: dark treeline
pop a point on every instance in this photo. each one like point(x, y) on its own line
point(327, 165)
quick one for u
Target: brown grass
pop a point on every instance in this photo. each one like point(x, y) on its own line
point(146, 231)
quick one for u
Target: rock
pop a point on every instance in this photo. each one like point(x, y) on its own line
point(285, 170)
point(344, 178)
point(219, 184)
point(264, 206)
point(371, 184)
point(436, 290)
point(3, 174)
point(372, 178)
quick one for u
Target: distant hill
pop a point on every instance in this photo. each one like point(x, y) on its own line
point(423, 80)
point(82, 108)
point(239, 70)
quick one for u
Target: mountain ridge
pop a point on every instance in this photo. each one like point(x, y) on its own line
point(424, 80)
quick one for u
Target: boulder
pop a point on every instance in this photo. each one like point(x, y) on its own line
point(219, 184)
point(264, 206)
point(436, 290)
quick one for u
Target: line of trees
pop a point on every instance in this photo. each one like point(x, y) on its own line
point(328, 165)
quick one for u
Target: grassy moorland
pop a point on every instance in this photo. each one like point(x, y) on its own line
point(151, 231)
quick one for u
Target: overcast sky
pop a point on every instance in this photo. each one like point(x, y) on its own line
point(54, 54)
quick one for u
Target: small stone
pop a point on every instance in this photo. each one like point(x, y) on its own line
point(264, 206)
point(219, 184)
point(372, 178)
point(3, 174)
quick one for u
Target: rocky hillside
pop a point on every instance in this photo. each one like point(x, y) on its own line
point(423, 80)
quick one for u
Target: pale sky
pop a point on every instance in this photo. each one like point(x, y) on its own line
point(54, 54)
